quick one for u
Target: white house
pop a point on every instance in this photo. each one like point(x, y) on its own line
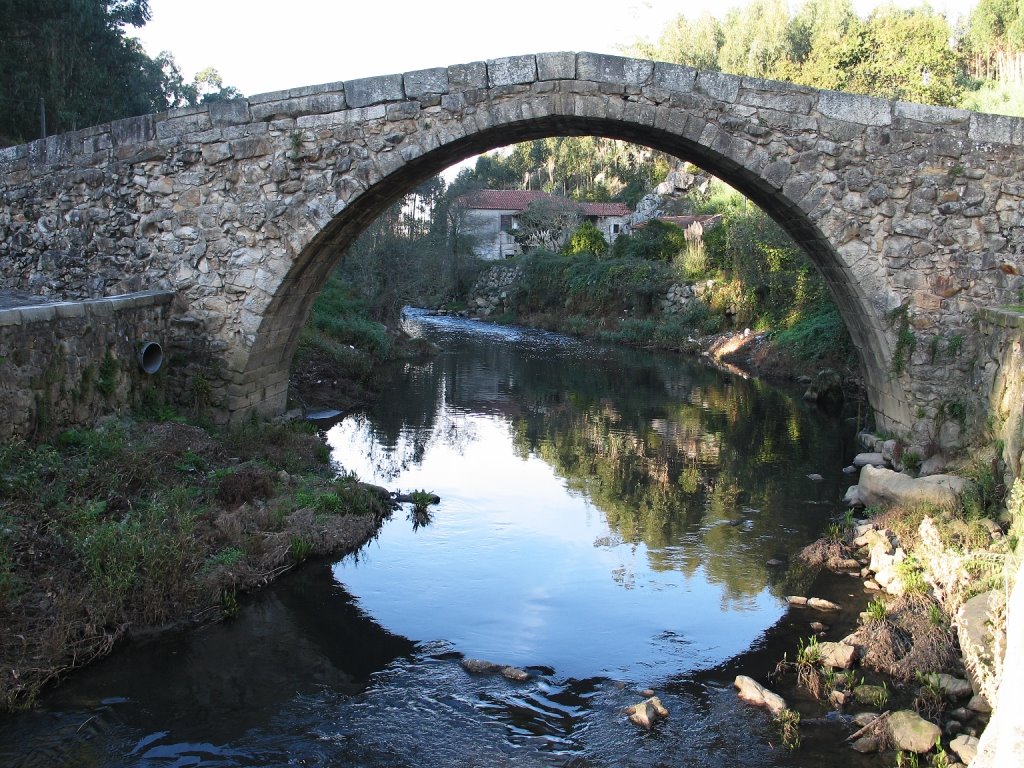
point(492, 215)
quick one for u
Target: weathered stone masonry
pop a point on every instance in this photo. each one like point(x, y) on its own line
point(69, 363)
point(241, 208)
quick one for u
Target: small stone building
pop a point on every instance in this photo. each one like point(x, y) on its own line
point(492, 217)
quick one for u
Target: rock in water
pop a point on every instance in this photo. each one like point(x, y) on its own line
point(647, 712)
point(479, 666)
point(911, 732)
point(515, 674)
point(884, 487)
point(822, 604)
point(754, 693)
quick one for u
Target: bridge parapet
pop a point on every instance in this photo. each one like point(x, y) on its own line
point(912, 213)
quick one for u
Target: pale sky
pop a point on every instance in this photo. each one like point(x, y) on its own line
point(259, 46)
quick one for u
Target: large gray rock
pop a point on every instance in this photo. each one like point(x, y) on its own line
point(884, 487)
point(965, 747)
point(837, 655)
point(911, 732)
point(754, 693)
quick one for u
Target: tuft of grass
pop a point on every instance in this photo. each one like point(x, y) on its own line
point(299, 548)
point(877, 610)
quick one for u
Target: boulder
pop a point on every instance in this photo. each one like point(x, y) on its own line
point(884, 487)
point(515, 674)
point(821, 604)
point(753, 692)
point(933, 465)
point(875, 540)
point(826, 388)
point(965, 747)
point(872, 459)
point(480, 667)
point(954, 687)
point(910, 732)
point(979, 703)
point(837, 655)
point(647, 712)
point(851, 498)
point(866, 744)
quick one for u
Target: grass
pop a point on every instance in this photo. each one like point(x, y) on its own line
point(139, 524)
point(816, 336)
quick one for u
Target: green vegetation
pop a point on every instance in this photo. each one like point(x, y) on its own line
point(137, 524)
point(893, 53)
point(877, 610)
point(77, 61)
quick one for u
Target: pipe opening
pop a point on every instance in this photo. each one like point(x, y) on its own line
point(151, 357)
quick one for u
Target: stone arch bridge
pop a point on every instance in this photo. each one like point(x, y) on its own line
point(912, 213)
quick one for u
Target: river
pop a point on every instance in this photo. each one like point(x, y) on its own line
point(606, 523)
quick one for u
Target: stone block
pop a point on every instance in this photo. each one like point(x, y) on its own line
point(367, 91)
point(511, 70)
point(134, 130)
point(319, 103)
point(993, 129)
point(925, 113)
point(674, 77)
point(719, 85)
point(602, 68)
point(426, 82)
point(472, 75)
point(912, 733)
point(556, 66)
point(179, 125)
point(851, 108)
point(229, 112)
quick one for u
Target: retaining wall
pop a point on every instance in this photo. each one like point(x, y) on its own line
point(66, 364)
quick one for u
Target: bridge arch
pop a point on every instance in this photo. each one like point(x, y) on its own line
point(243, 207)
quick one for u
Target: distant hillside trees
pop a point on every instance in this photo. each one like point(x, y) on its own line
point(914, 54)
point(73, 62)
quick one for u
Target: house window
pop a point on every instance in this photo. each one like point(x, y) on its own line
point(615, 229)
point(506, 222)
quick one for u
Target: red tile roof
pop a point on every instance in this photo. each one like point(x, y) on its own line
point(519, 199)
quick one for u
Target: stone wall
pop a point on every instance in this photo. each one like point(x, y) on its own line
point(243, 207)
point(493, 291)
point(999, 378)
point(69, 363)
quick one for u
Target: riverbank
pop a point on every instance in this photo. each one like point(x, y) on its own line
point(135, 527)
point(922, 673)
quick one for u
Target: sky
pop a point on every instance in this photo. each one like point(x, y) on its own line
point(259, 46)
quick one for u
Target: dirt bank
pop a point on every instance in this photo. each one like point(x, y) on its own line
point(135, 527)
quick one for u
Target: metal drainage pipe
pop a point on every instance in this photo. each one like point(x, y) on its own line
point(150, 357)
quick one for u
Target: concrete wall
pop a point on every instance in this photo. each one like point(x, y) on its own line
point(69, 363)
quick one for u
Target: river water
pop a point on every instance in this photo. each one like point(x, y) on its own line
point(606, 524)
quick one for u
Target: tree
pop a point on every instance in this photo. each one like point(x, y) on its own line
point(904, 55)
point(756, 38)
point(75, 57)
point(547, 222)
point(587, 239)
point(693, 43)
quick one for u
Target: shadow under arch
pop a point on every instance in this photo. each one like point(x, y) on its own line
point(282, 322)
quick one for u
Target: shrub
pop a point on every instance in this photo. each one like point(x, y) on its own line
point(587, 239)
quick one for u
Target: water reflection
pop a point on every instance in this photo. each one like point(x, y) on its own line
point(626, 498)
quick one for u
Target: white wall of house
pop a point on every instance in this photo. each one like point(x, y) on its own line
point(484, 226)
